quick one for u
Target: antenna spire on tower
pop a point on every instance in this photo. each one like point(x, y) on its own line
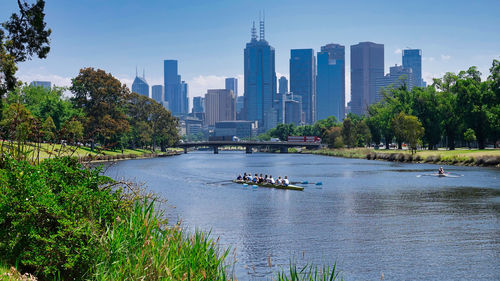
point(262, 28)
point(136, 71)
point(254, 32)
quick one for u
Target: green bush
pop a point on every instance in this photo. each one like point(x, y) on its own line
point(51, 214)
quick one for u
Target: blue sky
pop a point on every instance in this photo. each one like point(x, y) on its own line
point(208, 37)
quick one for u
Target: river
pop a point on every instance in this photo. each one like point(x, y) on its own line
point(371, 217)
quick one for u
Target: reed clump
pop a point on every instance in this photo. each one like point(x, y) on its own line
point(309, 272)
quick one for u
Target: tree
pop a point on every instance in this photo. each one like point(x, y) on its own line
point(17, 127)
point(426, 107)
point(334, 138)
point(102, 97)
point(469, 136)
point(398, 127)
point(349, 132)
point(48, 129)
point(414, 131)
point(323, 126)
point(282, 131)
point(72, 131)
point(451, 121)
point(363, 135)
point(493, 112)
point(21, 37)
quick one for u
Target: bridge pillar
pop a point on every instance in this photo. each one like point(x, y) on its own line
point(283, 149)
point(216, 150)
point(248, 149)
point(185, 150)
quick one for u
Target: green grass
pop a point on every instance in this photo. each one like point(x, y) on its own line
point(309, 273)
point(140, 247)
point(461, 156)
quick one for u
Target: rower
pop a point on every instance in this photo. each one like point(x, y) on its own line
point(261, 178)
point(239, 177)
point(255, 178)
point(271, 180)
point(279, 181)
point(286, 182)
point(441, 171)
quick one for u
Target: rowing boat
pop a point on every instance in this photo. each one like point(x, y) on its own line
point(268, 185)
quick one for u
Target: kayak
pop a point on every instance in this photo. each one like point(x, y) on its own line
point(268, 185)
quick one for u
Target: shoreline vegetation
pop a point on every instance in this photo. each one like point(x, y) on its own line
point(458, 157)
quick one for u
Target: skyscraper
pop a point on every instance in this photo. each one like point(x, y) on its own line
point(330, 82)
point(140, 85)
point(232, 84)
point(398, 75)
point(157, 93)
point(198, 104)
point(175, 89)
point(412, 58)
point(45, 84)
point(283, 85)
point(367, 65)
point(184, 97)
point(219, 106)
point(303, 80)
point(260, 81)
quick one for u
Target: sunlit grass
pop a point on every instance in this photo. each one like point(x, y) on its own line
point(309, 273)
point(141, 247)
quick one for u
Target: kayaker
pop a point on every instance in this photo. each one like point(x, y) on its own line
point(441, 171)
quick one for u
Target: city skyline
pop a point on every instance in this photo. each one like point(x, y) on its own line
point(445, 45)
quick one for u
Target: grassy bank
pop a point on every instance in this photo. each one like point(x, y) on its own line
point(469, 157)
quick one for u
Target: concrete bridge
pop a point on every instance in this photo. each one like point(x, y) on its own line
point(282, 145)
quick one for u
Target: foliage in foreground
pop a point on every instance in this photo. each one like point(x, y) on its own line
point(139, 247)
point(51, 215)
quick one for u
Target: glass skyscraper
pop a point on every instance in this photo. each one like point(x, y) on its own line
point(198, 104)
point(398, 75)
point(330, 82)
point(140, 85)
point(303, 80)
point(367, 66)
point(157, 93)
point(260, 81)
point(232, 84)
point(175, 90)
point(412, 58)
point(283, 85)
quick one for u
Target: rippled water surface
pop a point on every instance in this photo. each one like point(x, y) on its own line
point(371, 217)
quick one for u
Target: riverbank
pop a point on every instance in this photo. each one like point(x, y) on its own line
point(459, 157)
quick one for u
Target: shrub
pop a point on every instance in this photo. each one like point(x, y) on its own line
point(51, 214)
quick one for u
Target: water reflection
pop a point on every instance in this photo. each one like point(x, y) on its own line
point(370, 216)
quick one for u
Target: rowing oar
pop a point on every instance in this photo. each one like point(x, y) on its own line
point(306, 182)
point(219, 181)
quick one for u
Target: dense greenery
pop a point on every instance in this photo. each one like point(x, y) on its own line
point(457, 107)
point(51, 215)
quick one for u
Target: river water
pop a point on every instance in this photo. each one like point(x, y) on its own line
point(370, 217)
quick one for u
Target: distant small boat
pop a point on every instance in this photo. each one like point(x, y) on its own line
point(268, 185)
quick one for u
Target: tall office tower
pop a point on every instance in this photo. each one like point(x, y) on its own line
point(240, 102)
point(172, 87)
point(140, 85)
point(45, 84)
point(293, 109)
point(232, 84)
point(260, 81)
point(198, 104)
point(219, 106)
point(184, 97)
point(412, 58)
point(283, 85)
point(303, 80)
point(367, 65)
point(397, 76)
point(157, 93)
point(330, 82)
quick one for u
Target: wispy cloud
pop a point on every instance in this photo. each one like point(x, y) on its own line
point(428, 59)
point(445, 57)
point(398, 51)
